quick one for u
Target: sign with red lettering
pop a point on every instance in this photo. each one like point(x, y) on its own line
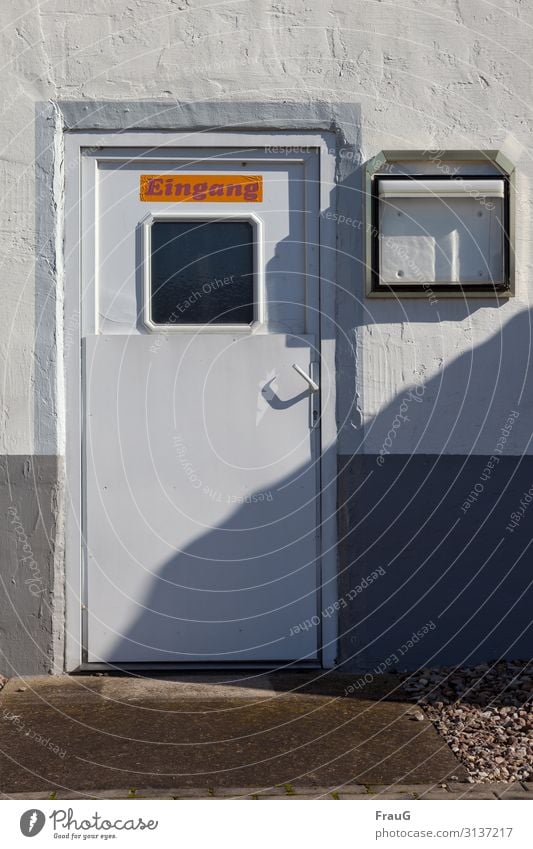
point(201, 188)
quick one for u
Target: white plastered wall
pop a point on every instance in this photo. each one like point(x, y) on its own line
point(426, 73)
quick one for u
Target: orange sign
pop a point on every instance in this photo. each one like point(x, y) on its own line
point(201, 188)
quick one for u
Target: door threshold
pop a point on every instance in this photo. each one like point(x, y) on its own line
point(207, 666)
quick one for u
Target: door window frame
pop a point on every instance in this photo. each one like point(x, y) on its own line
point(258, 273)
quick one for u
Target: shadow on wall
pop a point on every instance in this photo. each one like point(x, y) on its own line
point(453, 576)
point(434, 548)
point(452, 532)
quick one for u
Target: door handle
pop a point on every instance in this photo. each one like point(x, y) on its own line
point(313, 385)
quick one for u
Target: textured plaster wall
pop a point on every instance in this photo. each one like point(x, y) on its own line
point(437, 73)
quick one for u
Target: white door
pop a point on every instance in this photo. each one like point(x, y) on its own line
point(200, 373)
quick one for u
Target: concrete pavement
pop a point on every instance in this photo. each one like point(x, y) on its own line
point(283, 734)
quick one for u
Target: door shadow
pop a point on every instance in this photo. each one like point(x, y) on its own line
point(241, 591)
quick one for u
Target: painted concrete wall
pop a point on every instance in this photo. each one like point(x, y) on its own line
point(424, 74)
point(29, 507)
point(438, 545)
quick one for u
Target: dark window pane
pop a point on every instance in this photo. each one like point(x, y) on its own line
point(202, 272)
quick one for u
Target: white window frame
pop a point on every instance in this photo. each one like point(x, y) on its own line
point(258, 272)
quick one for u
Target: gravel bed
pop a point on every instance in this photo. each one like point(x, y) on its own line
point(485, 714)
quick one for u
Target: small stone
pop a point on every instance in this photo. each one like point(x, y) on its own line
point(415, 714)
point(485, 715)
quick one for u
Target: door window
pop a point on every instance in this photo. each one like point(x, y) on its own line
point(201, 272)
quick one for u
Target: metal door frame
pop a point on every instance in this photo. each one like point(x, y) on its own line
point(286, 144)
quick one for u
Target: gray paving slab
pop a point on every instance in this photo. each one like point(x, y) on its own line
point(422, 793)
point(255, 731)
point(513, 791)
